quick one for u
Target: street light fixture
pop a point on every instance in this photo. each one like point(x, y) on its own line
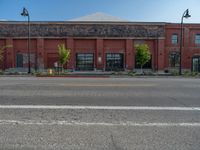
point(26, 14)
point(185, 15)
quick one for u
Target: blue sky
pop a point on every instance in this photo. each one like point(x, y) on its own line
point(132, 10)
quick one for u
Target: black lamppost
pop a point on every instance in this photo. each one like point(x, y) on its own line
point(185, 15)
point(26, 14)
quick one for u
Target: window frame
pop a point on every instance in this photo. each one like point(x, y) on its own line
point(86, 63)
point(197, 40)
point(198, 65)
point(117, 58)
point(173, 39)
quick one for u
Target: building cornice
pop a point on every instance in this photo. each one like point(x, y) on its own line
point(19, 29)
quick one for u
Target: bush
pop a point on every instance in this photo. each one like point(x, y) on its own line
point(149, 73)
point(132, 73)
point(53, 72)
point(194, 73)
point(191, 74)
point(187, 73)
point(174, 72)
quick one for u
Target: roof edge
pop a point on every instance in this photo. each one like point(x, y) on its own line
point(84, 22)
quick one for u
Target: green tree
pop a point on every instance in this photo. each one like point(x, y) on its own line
point(64, 55)
point(2, 51)
point(142, 55)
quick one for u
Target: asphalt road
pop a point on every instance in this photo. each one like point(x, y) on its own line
point(100, 91)
point(96, 114)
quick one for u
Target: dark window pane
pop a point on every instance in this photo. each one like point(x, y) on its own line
point(84, 61)
point(174, 59)
point(174, 39)
point(114, 61)
point(196, 64)
point(197, 39)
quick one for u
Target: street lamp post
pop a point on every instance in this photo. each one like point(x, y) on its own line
point(26, 14)
point(185, 15)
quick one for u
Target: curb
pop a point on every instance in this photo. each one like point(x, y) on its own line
point(17, 76)
point(74, 76)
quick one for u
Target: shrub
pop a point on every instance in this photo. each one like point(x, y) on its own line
point(131, 73)
point(194, 73)
point(174, 72)
point(187, 73)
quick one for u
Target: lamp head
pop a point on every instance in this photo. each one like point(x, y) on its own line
point(187, 15)
point(24, 12)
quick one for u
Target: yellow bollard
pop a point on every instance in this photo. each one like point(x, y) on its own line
point(50, 71)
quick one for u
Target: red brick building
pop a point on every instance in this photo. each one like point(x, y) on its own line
point(95, 45)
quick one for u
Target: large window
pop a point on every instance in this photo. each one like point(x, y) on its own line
point(174, 59)
point(114, 61)
point(174, 39)
point(197, 39)
point(84, 61)
point(196, 64)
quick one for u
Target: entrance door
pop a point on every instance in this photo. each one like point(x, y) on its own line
point(19, 60)
point(114, 61)
point(85, 61)
point(196, 64)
